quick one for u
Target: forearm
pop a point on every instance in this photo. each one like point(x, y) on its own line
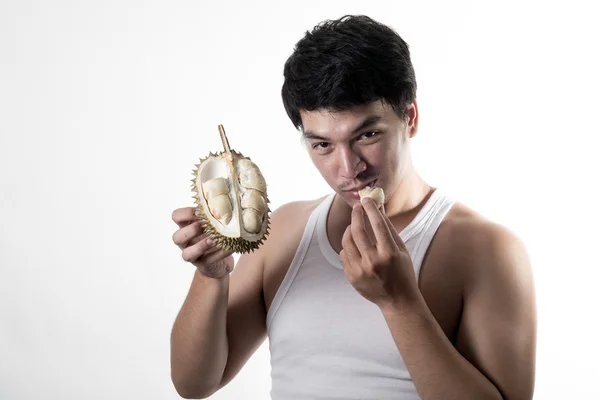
point(437, 369)
point(199, 338)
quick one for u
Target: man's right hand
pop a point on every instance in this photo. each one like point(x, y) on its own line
point(196, 248)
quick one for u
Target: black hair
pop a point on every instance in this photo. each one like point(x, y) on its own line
point(350, 61)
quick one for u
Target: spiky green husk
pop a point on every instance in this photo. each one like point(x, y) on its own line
point(236, 245)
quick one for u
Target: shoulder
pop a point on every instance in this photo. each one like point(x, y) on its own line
point(484, 248)
point(287, 224)
point(290, 217)
point(498, 320)
point(295, 210)
point(287, 221)
point(284, 222)
point(287, 227)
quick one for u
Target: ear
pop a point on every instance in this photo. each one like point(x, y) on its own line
point(413, 119)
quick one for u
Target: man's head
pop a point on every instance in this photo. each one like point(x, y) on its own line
point(350, 87)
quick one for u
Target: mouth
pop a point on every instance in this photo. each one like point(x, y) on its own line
point(354, 193)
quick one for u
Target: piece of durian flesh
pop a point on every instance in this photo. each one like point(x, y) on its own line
point(375, 193)
point(232, 201)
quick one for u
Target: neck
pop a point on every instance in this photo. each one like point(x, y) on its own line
point(408, 195)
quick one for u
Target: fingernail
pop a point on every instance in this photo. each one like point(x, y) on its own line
point(209, 242)
point(366, 200)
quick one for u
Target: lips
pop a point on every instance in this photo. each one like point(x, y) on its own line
point(354, 193)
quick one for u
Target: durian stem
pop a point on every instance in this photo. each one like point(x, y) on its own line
point(225, 142)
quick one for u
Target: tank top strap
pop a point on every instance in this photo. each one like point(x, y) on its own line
point(423, 232)
point(298, 257)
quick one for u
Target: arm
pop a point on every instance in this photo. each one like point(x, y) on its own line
point(223, 321)
point(202, 354)
point(198, 341)
point(495, 353)
point(221, 324)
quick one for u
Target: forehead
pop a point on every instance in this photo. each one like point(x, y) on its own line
point(340, 124)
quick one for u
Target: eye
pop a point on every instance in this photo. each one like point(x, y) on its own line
point(368, 135)
point(320, 145)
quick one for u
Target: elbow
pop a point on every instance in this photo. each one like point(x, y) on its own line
point(193, 388)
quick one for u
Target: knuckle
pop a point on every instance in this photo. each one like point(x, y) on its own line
point(358, 275)
point(186, 256)
point(175, 215)
point(345, 240)
point(198, 229)
point(386, 256)
point(380, 225)
point(346, 232)
point(186, 235)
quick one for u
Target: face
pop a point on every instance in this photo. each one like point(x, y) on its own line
point(364, 146)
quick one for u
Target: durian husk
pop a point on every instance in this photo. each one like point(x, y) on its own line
point(236, 240)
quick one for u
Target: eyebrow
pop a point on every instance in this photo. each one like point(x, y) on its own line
point(370, 120)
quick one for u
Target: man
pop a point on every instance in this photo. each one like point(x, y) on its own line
point(423, 299)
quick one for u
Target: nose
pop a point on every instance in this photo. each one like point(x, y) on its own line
point(350, 163)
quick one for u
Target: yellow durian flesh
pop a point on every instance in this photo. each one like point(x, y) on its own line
point(375, 193)
point(221, 208)
point(255, 200)
point(252, 220)
point(230, 179)
point(215, 187)
point(216, 193)
point(250, 175)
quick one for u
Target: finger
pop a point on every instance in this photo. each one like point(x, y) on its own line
point(349, 247)
point(184, 216)
point(216, 256)
point(344, 259)
point(193, 253)
point(184, 235)
point(380, 228)
point(197, 239)
point(363, 243)
point(210, 250)
point(397, 239)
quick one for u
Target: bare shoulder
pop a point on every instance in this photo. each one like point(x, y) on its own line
point(287, 226)
point(497, 328)
point(482, 247)
point(286, 221)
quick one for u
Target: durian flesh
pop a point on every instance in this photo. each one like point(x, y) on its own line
point(232, 202)
point(375, 193)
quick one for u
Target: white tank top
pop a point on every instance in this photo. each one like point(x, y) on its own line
point(326, 340)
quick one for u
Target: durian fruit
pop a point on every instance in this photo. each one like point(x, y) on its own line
point(375, 193)
point(231, 199)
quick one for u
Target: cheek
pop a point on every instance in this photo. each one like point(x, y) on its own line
point(325, 166)
point(380, 155)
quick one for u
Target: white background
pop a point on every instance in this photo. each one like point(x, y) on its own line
point(105, 106)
